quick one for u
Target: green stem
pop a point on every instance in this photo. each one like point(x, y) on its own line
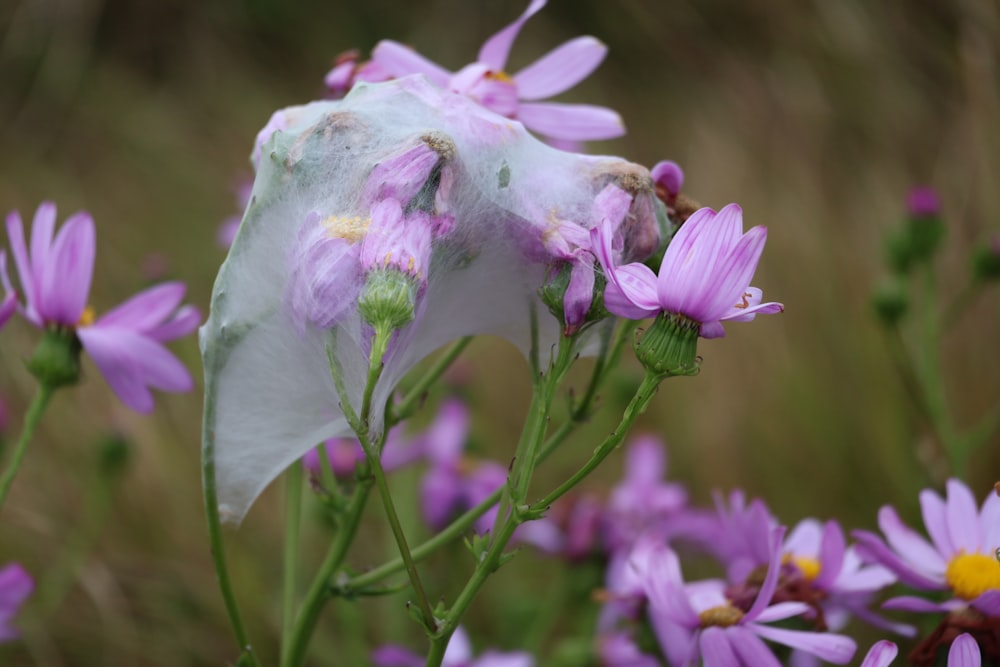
point(293, 514)
point(643, 395)
point(406, 407)
point(216, 543)
point(453, 531)
point(294, 650)
point(31, 419)
point(930, 378)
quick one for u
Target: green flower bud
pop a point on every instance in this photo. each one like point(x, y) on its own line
point(388, 299)
point(669, 346)
point(56, 360)
point(890, 302)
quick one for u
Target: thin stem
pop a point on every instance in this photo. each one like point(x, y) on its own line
point(216, 543)
point(31, 419)
point(406, 407)
point(641, 399)
point(453, 531)
point(294, 650)
point(293, 513)
point(404, 549)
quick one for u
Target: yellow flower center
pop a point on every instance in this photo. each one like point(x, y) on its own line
point(809, 567)
point(971, 575)
point(87, 317)
point(350, 228)
point(722, 616)
point(500, 76)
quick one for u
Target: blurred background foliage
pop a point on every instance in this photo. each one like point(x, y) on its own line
point(817, 117)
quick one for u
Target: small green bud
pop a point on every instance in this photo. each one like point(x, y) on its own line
point(572, 315)
point(926, 234)
point(112, 455)
point(56, 361)
point(669, 346)
point(986, 261)
point(890, 302)
point(389, 299)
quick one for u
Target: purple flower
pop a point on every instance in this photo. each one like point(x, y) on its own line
point(347, 71)
point(516, 96)
point(8, 306)
point(964, 652)
point(15, 587)
point(961, 556)
point(923, 202)
point(126, 343)
point(704, 278)
point(669, 178)
point(643, 501)
point(345, 454)
point(458, 654)
point(697, 621)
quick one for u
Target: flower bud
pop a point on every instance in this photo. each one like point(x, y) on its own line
point(56, 360)
point(890, 302)
point(669, 346)
point(388, 299)
point(986, 260)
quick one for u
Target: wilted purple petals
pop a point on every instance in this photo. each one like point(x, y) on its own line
point(397, 241)
point(15, 587)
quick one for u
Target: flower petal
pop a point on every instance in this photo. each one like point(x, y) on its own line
point(66, 276)
point(916, 604)
point(184, 322)
point(989, 519)
point(871, 547)
point(573, 122)
point(781, 611)
point(988, 602)
point(831, 555)
point(399, 60)
point(25, 271)
point(750, 648)
point(838, 649)
point(715, 649)
point(131, 362)
point(732, 276)
point(936, 522)
point(631, 289)
point(907, 543)
point(560, 69)
point(881, 654)
point(767, 588)
point(495, 50)
point(964, 652)
point(963, 517)
point(147, 309)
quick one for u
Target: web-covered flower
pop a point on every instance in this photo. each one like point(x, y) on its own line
point(396, 207)
point(513, 96)
point(126, 342)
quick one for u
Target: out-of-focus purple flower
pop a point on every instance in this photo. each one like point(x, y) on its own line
point(669, 179)
point(961, 556)
point(8, 306)
point(348, 69)
point(516, 96)
point(345, 454)
point(126, 342)
point(571, 529)
point(453, 484)
point(704, 278)
point(964, 652)
point(458, 654)
point(642, 502)
point(616, 649)
point(697, 621)
point(15, 587)
point(923, 202)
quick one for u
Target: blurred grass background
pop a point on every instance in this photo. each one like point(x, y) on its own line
point(817, 117)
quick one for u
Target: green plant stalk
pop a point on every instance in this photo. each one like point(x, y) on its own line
point(294, 649)
point(515, 492)
point(640, 400)
point(215, 541)
point(31, 419)
point(406, 407)
point(928, 372)
point(373, 456)
point(452, 532)
point(293, 515)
